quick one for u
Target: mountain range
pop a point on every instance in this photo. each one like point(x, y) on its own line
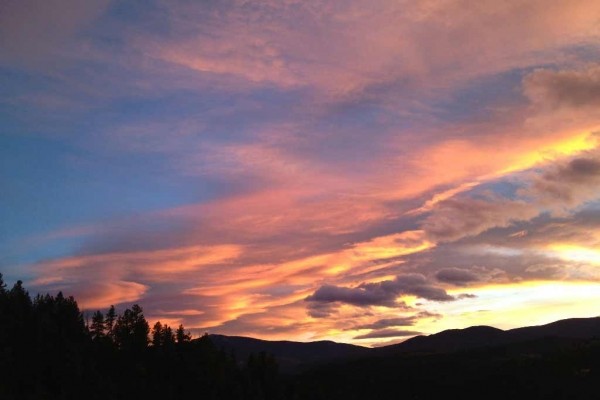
point(294, 356)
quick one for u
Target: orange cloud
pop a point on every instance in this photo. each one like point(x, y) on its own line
point(368, 44)
point(99, 295)
point(307, 216)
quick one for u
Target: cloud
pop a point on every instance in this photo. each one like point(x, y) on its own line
point(556, 247)
point(277, 43)
point(567, 184)
point(457, 276)
point(455, 218)
point(359, 296)
point(100, 280)
point(389, 322)
point(398, 321)
point(97, 295)
point(558, 184)
point(567, 88)
point(384, 293)
point(321, 310)
point(282, 168)
point(32, 31)
point(387, 333)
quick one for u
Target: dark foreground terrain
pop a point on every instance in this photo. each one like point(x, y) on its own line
point(49, 351)
point(548, 368)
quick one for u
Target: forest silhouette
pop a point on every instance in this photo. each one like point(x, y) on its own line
point(49, 351)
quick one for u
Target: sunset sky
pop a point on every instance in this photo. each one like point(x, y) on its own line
point(359, 171)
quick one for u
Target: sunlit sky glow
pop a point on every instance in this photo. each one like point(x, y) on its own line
point(361, 171)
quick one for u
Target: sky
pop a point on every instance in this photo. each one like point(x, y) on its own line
point(358, 171)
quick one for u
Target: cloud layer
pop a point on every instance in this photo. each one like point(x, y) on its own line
point(303, 169)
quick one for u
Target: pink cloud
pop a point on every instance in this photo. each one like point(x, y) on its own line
point(33, 31)
point(431, 43)
point(316, 213)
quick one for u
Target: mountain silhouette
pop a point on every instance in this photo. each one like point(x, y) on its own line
point(290, 355)
point(560, 360)
point(487, 336)
point(293, 356)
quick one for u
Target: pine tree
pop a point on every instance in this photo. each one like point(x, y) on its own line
point(131, 330)
point(181, 335)
point(20, 305)
point(3, 312)
point(157, 332)
point(110, 319)
point(2, 286)
point(168, 337)
point(19, 294)
point(98, 325)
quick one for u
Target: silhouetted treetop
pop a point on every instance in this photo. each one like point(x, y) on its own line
point(2, 285)
point(181, 335)
point(131, 330)
point(98, 325)
point(110, 319)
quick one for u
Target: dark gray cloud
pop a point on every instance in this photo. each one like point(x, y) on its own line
point(456, 276)
point(382, 293)
point(499, 256)
point(573, 88)
point(320, 310)
point(389, 322)
point(358, 296)
point(557, 188)
point(400, 321)
point(583, 167)
point(387, 333)
point(410, 284)
point(568, 184)
point(458, 217)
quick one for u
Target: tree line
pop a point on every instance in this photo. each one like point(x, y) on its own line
point(49, 351)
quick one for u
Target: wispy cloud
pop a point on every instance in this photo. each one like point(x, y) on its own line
point(302, 169)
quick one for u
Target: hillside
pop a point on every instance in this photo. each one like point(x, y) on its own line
point(485, 336)
point(290, 356)
point(560, 360)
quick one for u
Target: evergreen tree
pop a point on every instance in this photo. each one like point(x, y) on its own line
point(157, 334)
point(181, 335)
point(46, 352)
point(98, 325)
point(110, 319)
point(19, 296)
point(19, 308)
point(3, 312)
point(162, 336)
point(2, 286)
point(168, 337)
point(3, 298)
point(131, 330)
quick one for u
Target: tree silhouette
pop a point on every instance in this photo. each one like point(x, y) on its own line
point(2, 286)
point(98, 325)
point(131, 330)
point(181, 335)
point(48, 352)
point(19, 297)
point(4, 321)
point(157, 334)
point(110, 319)
point(168, 337)
point(19, 310)
point(162, 336)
